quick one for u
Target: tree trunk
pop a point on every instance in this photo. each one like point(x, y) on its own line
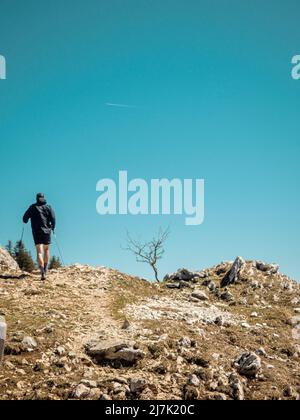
point(155, 272)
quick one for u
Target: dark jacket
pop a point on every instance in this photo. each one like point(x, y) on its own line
point(42, 217)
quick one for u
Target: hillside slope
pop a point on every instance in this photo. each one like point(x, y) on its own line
point(95, 333)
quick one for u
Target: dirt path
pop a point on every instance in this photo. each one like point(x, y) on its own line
point(69, 310)
point(178, 334)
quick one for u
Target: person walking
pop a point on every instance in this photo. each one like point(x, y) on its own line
point(43, 222)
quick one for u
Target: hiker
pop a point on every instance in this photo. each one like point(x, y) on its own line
point(43, 222)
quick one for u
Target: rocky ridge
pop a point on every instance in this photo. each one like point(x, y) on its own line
point(228, 332)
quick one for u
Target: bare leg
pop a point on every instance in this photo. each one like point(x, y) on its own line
point(46, 255)
point(40, 257)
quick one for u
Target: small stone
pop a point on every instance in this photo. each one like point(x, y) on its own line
point(60, 351)
point(200, 295)
point(29, 344)
point(89, 384)
point(245, 325)
point(126, 325)
point(9, 365)
point(227, 297)
point(105, 397)
point(255, 284)
point(261, 352)
point(95, 394)
point(270, 367)
point(211, 286)
point(137, 386)
point(184, 284)
point(49, 329)
point(193, 380)
point(39, 366)
point(289, 392)
point(220, 397)
point(173, 285)
point(191, 393)
point(237, 388)
point(81, 392)
point(185, 342)
point(219, 321)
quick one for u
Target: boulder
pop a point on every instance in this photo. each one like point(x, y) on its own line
point(181, 275)
point(7, 264)
point(267, 268)
point(248, 364)
point(233, 274)
point(115, 353)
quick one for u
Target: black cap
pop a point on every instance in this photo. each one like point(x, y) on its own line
point(40, 196)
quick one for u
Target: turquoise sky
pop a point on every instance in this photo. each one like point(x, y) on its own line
point(211, 96)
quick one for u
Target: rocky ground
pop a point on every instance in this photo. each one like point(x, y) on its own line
point(95, 333)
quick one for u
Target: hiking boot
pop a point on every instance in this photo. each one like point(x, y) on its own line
point(43, 274)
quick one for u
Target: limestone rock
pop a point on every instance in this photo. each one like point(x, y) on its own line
point(114, 352)
point(137, 386)
point(248, 364)
point(200, 295)
point(234, 273)
point(193, 380)
point(181, 274)
point(81, 392)
point(227, 297)
point(267, 268)
point(7, 264)
point(29, 344)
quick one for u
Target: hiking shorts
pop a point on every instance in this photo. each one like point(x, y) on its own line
point(42, 238)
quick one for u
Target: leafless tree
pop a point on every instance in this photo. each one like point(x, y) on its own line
point(149, 252)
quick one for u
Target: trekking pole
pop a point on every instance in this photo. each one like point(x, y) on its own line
point(3, 330)
point(21, 241)
point(22, 236)
point(58, 247)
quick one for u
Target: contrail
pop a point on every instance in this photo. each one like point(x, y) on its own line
point(120, 105)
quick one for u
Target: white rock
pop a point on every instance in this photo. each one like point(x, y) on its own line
point(297, 310)
point(81, 391)
point(200, 295)
point(29, 343)
point(193, 380)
